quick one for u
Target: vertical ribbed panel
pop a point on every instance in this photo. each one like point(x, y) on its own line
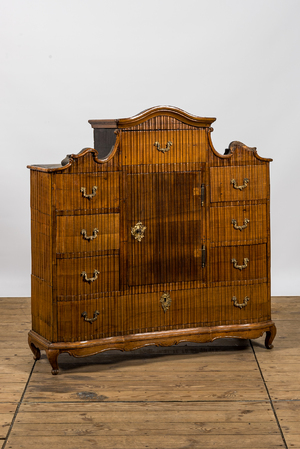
point(69, 196)
point(222, 310)
point(187, 146)
point(222, 228)
point(167, 205)
point(222, 189)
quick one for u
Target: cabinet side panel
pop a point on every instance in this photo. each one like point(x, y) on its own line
point(41, 308)
point(41, 254)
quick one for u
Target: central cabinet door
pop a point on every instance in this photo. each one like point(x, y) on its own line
point(163, 227)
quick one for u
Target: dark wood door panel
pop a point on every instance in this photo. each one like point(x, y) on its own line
point(169, 207)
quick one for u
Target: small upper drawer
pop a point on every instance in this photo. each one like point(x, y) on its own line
point(238, 224)
point(86, 191)
point(240, 183)
point(163, 147)
point(87, 233)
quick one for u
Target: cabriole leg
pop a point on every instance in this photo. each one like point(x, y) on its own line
point(52, 355)
point(270, 335)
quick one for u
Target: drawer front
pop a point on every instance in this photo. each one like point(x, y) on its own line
point(101, 275)
point(87, 233)
point(112, 316)
point(240, 183)
point(239, 304)
point(238, 224)
point(152, 147)
point(145, 312)
point(86, 319)
point(237, 263)
point(87, 191)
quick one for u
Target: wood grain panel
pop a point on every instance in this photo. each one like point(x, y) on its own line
point(169, 206)
point(221, 309)
point(222, 228)
point(73, 327)
point(187, 146)
point(69, 196)
point(222, 189)
point(124, 315)
point(222, 269)
point(71, 282)
point(69, 233)
point(41, 245)
point(41, 308)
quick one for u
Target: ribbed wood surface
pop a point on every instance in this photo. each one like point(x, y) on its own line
point(222, 310)
point(222, 268)
point(69, 237)
point(186, 200)
point(222, 188)
point(169, 206)
point(71, 282)
point(223, 231)
point(187, 146)
point(68, 195)
point(131, 314)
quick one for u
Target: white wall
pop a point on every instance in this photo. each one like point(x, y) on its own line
point(66, 61)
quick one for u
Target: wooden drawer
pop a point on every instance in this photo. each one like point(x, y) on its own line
point(70, 280)
point(187, 146)
point(125, 315)
point(72, 325)
point(223, 188)
point(238, 224)
point(103, 228)
point(223, 269)
point(144, 312)
point(103, 187)
point(254, 301)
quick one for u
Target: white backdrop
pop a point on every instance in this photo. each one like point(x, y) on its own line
point(66, 61)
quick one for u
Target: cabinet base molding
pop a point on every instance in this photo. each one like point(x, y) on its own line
point(136, 341)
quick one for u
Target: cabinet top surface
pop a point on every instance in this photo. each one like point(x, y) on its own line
point(170, 112)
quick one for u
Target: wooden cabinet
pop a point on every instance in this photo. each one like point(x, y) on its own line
point(151, 238)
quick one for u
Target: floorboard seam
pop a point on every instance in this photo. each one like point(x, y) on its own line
point(270, 399)
point(18, 406)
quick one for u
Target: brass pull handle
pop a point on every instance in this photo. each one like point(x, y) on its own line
point(236, 304)
point(90, 320)
point(138, 231)
point(165, 301)
point(235, 186)
point(240, 228)
point(88, 195)
point(86, 279)
point(240, 267)
point(163, 150)
point(89, 237)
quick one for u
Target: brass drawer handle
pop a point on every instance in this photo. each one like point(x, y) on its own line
point(88, 195)
point(138, 231)
point(240, 267)
point(165, 301)
point(235, 186)
point(90, 237)
point(236, 304)
point(86, 279)
point(240, 228)
point(163, 150)
point(90, 320)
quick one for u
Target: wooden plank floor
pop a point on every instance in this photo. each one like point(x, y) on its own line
point(228, 394)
